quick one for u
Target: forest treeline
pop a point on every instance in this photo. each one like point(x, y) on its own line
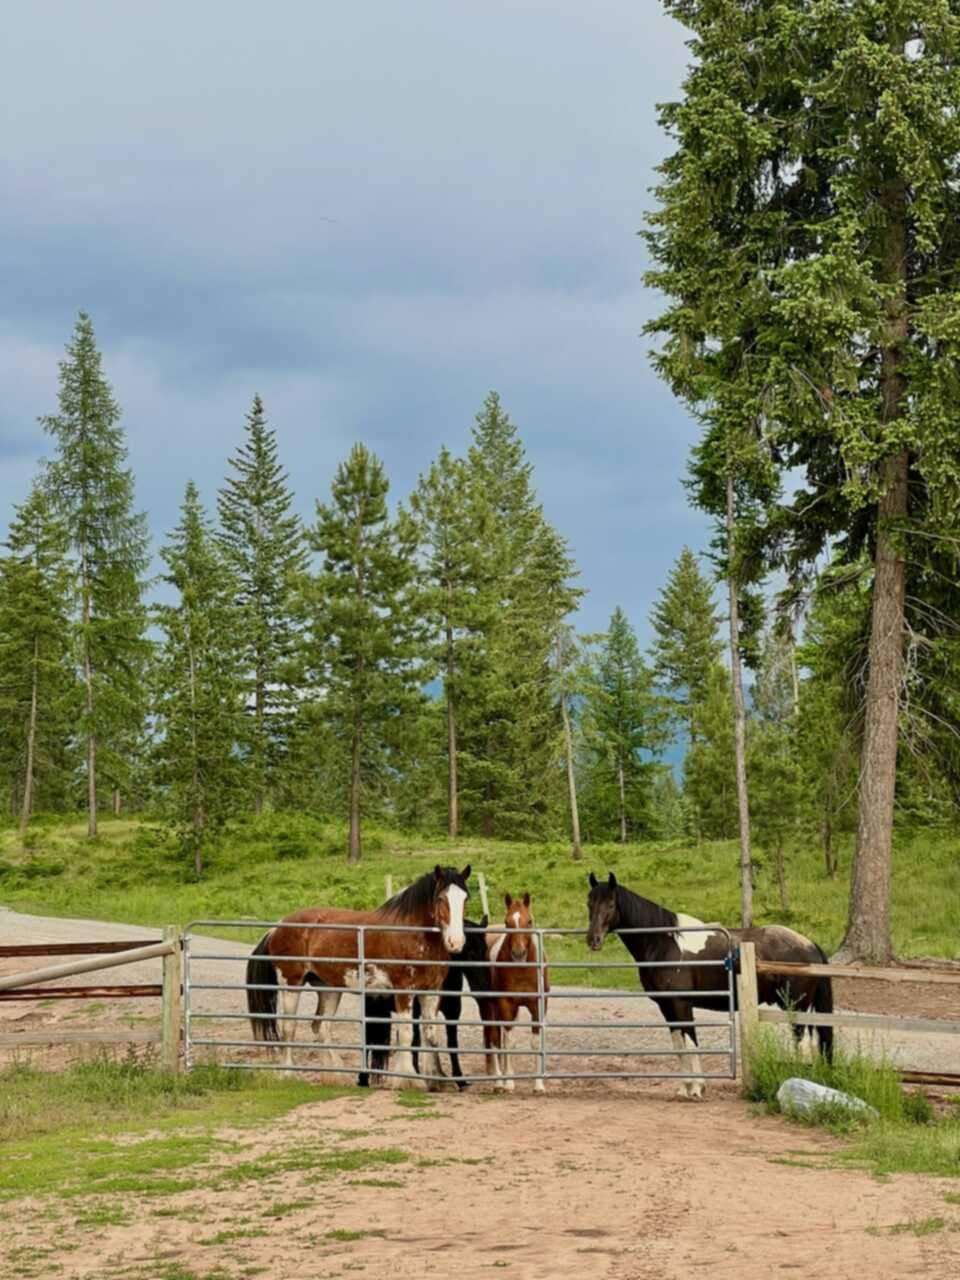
point(414, 662)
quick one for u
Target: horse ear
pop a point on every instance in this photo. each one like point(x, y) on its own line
point(526, 899)
point(612, 881)
point(438, 872)
point(508, 899)
point(485, 921)
point(593, 881)
point(465, 873)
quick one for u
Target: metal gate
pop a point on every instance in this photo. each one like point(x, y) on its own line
point(589, 1032)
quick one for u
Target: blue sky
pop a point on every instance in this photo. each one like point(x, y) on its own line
point(371, 214)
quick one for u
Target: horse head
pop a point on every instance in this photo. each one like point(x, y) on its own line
point(603, 910)
point(518, 917)
point(450, 894)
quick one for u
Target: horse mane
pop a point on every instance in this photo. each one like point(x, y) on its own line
point(417, 898)
point(640, 913)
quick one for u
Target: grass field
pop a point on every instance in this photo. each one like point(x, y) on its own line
point(267, 867)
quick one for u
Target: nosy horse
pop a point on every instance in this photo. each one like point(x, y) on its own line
point(612, 907)
point(514, 964)
point(301, 950)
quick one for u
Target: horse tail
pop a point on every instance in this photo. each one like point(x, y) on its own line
point(823, 1003)
point(377, 1035)
point(262, 972)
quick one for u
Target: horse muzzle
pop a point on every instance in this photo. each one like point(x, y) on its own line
point(595, 942)
point(454, 942)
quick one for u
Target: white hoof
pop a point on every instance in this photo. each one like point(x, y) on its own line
point(539, 1086)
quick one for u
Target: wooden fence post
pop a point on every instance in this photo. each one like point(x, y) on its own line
point(748, 1005)
point(484, 900)
point(172, 1015)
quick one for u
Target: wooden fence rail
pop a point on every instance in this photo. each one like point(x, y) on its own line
point(751, 1015)
point(28, 985)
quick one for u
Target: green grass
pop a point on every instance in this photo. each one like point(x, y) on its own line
point(264, 868)
point(905, 1137)
point(156, 1133)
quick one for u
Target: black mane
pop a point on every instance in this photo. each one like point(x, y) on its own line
point(635, 912)
point(417, 898)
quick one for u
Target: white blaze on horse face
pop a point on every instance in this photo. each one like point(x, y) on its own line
point(691, 944)
point(453, 935)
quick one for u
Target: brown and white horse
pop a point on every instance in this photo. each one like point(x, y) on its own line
point(672, 938)
point(301, 951)
point(514, 962)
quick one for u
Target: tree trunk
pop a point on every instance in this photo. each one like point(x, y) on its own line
point(623, 799)
point(453, 806)
point(739, 718)
point(868, 928)
point(829, 858)
point(27, 802)
point(353, 852)
point(781, 876)
point(571, 779)
point(88, 681)
point(260, 751)
point(116, 802)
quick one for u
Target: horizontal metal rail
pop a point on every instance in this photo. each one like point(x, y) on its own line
point(356, 962)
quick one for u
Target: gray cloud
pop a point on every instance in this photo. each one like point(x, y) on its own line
point(371, 214)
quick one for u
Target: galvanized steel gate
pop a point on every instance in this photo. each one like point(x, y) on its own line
point(217, 1020)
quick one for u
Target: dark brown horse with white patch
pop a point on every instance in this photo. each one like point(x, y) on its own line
point(514, 971)
point(612, 908)
point(301, 951)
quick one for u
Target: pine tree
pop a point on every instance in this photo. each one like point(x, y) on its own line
point(625, 727)
point(451, 531)
point(264, 544)
point(200, 681)
point(709, 775)
point(808, 239)
point(92, 492)
point(686, 644)
point(366, 640)
point(37, 685)
point(511, 729)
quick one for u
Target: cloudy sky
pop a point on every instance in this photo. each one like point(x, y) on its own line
point(369, 213)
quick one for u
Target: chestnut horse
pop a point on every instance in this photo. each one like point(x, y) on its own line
point(514, 960)
point(328, 957)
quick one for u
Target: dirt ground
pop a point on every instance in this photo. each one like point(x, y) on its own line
point(628, 1183)
point(609, 1178)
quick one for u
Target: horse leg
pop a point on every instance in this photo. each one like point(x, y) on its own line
point(286, 1023)
point(328, 1002)
point(506, 1013)
point(429, 1012)
point(686, 1038)
point(403, 1006)
point(539, 1086)
point(451, 1007)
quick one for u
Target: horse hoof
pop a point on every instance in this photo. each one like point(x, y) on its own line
point(508, 1086)
point(539, 1087)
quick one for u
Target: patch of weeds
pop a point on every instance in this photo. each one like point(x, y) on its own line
point(238, 1233)
point(414, 1098)
point(375, 1182)
point(919, 1227)
point(283, 1207)
point(952, 1197)
point(344, 1236)
point(794, 1162)
point(103, 1215)
point(321, 1163)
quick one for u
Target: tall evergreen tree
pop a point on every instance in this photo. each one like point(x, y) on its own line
point(808, 237)
point(92, 491)
point(709, 775)
point(686, 643)
point(625, 727)
point(200, 681)
point(451, 531)
point(37, 682)
point(366, 640)
point(511, 733)
point(264, 543)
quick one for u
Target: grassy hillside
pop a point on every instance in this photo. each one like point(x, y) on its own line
point(268, 867)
